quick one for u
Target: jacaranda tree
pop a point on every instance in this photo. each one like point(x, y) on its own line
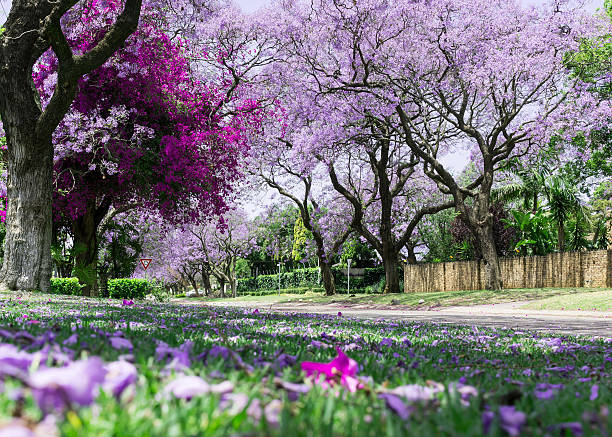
point(143, 132)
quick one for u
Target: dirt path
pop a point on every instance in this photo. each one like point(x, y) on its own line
point(503, 315)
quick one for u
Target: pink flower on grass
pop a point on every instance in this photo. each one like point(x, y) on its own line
point(341, 369)
point(127, 302)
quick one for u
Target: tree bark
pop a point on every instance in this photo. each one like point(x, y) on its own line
point(205, 270)
point(480, 220)
point(328, 278)
point(411, 255)
point(85, 247)
point(561, 237)
point(232, 275)
point(222, 286)
point(27, 245)
point(390, 264)
point(493, 277)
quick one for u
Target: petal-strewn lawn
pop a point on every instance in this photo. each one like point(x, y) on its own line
point(427, 300)
point(598, 301)
point(99, 367)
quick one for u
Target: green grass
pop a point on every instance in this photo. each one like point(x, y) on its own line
point(420, 300)
point(504, 367)
point(592, 301)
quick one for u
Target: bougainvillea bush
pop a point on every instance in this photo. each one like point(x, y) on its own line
point(77, 366)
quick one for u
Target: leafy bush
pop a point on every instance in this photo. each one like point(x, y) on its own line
point(126, 288)
point(68, 286)
point(158, 292)
point(308, 277)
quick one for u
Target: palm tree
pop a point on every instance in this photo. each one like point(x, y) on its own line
point(563, 201)
point(527, 189)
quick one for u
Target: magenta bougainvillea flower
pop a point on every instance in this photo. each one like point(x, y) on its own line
point(341, 369)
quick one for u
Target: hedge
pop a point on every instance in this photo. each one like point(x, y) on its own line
point(128, 288)
point(69, 286)
point(308, 278)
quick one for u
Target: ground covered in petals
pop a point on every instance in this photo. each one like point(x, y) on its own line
point(76, 366)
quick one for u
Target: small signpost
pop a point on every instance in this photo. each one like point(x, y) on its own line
point(145, 262)
point(279, 278)
point(348, 277)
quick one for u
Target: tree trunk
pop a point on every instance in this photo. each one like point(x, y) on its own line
point(194, 284)
point(205, 270)
point(391, 273)
point(222, 286)
point(86, 249)
point(411, 255)
point(493, 278)
point(561, 237)
point(232, 275)
point(27, 245)
point(103, 288)
point(328, 278)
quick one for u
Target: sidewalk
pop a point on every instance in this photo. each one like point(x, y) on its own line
point(503, 315)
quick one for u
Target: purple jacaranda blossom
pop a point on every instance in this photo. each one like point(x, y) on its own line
point(284, 360)
point(487, 420)
point(544, 394)
point(71, 340)
point(127, 302)
point(255, 311)
point(178, 355)
point(342, 366)
point(511, 420)
point(575, 428)
point(189, 386)
point(319, 344)
point(12, 358)
point(417, 393)
point(465, 391)
point(594, 392)
point(395, 404)
point(339, 313)
point(235, 403)
point(57, 355)
point(271, 412)
point(218, 351)
point(119, 376)
point(293, 389)
point(16, 429)
point(226, 354)
point(386, 342)
point(56, 388)
point(121, 343)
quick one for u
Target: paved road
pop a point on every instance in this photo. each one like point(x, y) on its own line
point(507, 315)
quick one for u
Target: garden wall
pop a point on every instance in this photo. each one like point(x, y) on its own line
point(565, 269)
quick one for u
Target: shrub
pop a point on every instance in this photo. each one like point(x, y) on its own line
point(69, 286)
point(308, 277)
point(158, 292)
point(126, 288)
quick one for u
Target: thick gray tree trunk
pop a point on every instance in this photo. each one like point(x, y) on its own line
point(328, 278)
point(27, 247)
point(391, 265)
point(480, 221)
